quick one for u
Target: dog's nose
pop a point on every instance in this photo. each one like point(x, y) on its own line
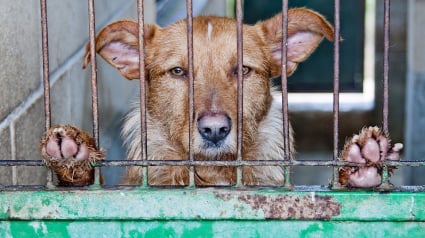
point(214, 127)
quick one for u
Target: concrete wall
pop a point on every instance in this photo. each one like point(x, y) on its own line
point(415, 117)
point(21, 91)
point(21, 88)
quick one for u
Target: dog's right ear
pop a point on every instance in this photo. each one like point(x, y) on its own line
point(118, 44)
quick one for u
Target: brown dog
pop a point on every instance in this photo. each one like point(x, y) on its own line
point(70, 151)
point(215, 107)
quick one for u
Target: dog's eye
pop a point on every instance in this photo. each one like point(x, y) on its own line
point(177, 71)
point(245, 71)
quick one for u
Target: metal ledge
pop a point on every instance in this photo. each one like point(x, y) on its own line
point(210, 212)
point(211, 204)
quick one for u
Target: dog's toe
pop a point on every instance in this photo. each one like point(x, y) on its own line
point(70, 151)
point(369, 149)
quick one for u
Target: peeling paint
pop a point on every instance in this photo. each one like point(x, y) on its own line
point(289, 206)
point(411, 207)
point(210, 212)
point(211, 204)
point(294, 207)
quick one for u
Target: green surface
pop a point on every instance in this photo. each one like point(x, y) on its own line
point(210, 229)
point(210, 212)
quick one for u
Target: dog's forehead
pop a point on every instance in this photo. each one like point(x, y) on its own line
point(214, 41)
point(209, 28)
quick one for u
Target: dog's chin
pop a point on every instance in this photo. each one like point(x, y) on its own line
point(219, 151)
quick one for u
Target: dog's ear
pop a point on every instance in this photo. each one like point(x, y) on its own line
point(306, 30)
point(118, 44)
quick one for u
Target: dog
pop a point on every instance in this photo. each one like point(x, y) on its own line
point(70, 151)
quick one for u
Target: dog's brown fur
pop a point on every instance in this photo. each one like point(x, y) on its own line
point(215, 83)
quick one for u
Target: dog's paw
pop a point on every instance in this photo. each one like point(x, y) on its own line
point(369, 149)
point(70, 152)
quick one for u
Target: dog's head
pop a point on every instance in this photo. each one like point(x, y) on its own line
point(215, 72)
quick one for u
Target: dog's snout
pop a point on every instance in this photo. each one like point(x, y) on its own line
point(214, 127)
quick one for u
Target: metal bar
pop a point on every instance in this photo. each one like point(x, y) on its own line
point(337, 29)
point(94, 89)
point(386, 64)
point(284, 83)
point(385, 87)
point(45, 49)
point(46, 79)
point(239, 19)
point(255, 163)
point(220, 163)
point(143, 127)
point(189, 12)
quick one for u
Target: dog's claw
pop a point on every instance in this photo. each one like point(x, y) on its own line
point(369, 149)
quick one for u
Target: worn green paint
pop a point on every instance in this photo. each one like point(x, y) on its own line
point(210, 228)
point(210, 212)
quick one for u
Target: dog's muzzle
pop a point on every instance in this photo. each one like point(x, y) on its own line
point(214, 128)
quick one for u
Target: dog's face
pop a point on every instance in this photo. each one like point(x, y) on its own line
point(215, 73)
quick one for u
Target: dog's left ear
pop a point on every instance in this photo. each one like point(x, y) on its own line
point(306, 30)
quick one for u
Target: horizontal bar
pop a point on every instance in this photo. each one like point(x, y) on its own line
point(294, 188)
point(217, 163)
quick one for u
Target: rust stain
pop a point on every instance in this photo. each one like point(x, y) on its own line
point(311, 207)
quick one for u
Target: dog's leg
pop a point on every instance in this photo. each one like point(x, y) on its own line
point(369, 149)
point(70, 152)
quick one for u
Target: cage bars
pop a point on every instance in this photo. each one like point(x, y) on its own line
point(287, 163)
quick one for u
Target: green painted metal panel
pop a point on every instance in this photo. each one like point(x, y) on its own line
point(210, 212)
point(229, 229)
point(188, 204)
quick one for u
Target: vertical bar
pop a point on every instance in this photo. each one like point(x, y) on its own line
point(46, 80)
point(336, 89)
point(45, 49)
point(239, 19)
point(143, 131)
point(385, 179)
point(189, 12)
point(386, 64)
point(92, 36)
point(284, 83)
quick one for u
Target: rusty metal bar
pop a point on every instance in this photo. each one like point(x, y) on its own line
point(386, 65)
point(45, 49)
point(285, 78)
point(143, 127)
point(189, 12)
point(385, 87)
point(253, 163)
point(284, 84)
point(46, 78)
point(337, 29)
point(94, 90)
point(239, 22)
point(219, 163)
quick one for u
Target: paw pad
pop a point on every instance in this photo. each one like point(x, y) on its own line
point(67, 145)
point(369, 149)
point(70, 152)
